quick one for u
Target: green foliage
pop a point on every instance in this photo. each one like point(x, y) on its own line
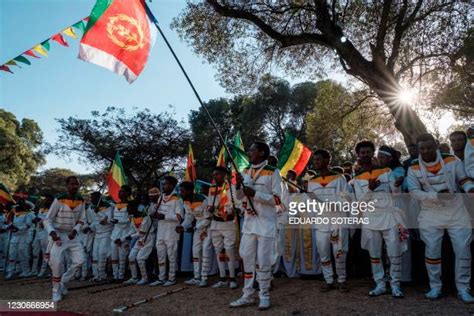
point(53, 181)
point(385, 44)
point(20, 149)
point(340, 119)
point(149, 143)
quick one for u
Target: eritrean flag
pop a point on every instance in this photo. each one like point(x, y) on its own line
point(119, 36)
point(5, 195)
point(190, 168)
point(293, 155)
point(116, 178)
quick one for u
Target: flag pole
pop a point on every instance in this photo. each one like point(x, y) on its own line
point(198, 97)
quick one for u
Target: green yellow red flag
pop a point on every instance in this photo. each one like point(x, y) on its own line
point(116, 178)
point(5, 195)
point(190, 168)
point(293, 155)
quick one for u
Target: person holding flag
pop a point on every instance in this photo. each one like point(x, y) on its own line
point(169, 215)
point(196, 219)
point(223, 229)
point(259, 188)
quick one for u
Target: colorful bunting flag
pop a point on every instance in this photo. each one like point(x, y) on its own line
point(40, 50)
point(30, 53)
point(60, 39)
point(70, 32)
point(22, 59)
point(12, 63)
point(5, 68)
point(80, 26)
point(45, 44)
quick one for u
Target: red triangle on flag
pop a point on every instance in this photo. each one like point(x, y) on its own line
point(5, 68)
point(60, 39)
point(30, 53)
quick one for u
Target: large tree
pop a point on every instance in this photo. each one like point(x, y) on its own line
point(53, 181)
point(387, 45)
point(148, 143)
point(341, 118)
point(20, 149)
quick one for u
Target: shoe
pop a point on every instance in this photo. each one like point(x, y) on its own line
point(326, 287)
point(433, 294)
point(169, 283)
point(142, 282)
point(219, 285)
point(41, 274)
point(57, 297)
point(63, 289)
point(233, 285)
point(203, 283)
point(192, 282)
point(158, 282)
point(97, 279)
point(242, 302)
point(25, 275)
point(10, 276)
point(343, 287)
point(465, 296)
point(131, 281)
point(397, 292)
point(377, 291)
point(264, 304)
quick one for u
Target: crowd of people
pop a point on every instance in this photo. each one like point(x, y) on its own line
point(243, 224)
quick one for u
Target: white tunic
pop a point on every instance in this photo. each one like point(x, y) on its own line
point(446, 173)
point(266, 182)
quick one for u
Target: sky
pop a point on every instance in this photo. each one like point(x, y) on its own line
point(61, 85)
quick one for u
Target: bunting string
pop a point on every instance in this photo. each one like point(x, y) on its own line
point(42, 49)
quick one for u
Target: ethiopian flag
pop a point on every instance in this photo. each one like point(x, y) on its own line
point(119, 36)
point(116, 178)
point(190, 168)
point(5, 195)
point(293, 155)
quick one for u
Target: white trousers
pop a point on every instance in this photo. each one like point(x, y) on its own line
point(39, 246)
point(68, 249)
point(140, 254)
point(100, 253)
point(201, 255)
point(257, 248)
point(19, 253)
point(375, 240)
point(167, 249)
point(225, 240)
point(324, 243)
point(461, 240)
point(119, 256)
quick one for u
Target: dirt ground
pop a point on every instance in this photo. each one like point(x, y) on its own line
point(290, 297)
